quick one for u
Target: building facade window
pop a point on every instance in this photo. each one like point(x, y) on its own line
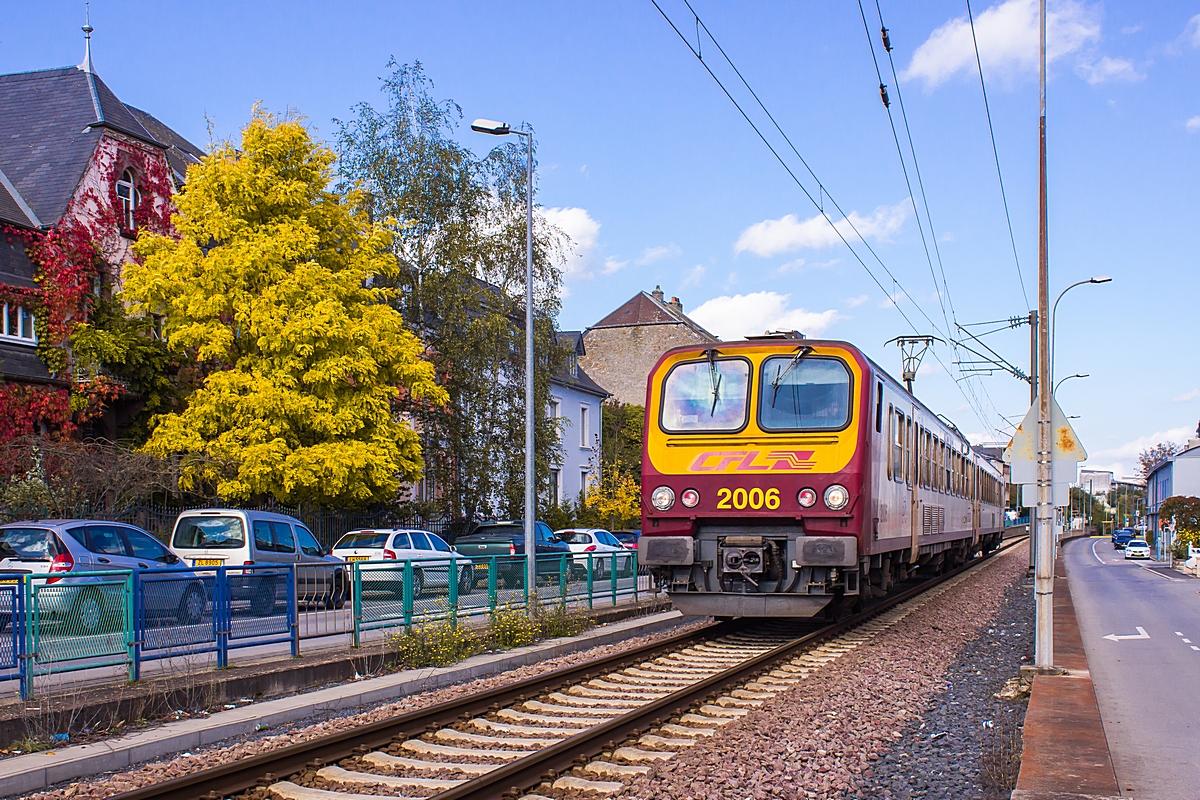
point(555, 486)
point(585, 478)
point(17, 325)
point(130, 197)
point(583, 426)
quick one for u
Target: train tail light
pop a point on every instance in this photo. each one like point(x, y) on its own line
point(806, 497)
point(690, 498)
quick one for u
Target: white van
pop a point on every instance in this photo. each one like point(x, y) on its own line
point(230, 537)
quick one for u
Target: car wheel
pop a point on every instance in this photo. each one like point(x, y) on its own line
point(598, 570)
point(466, 580)
point(88, 612)
point(192, 605)
point(418, 587)
point(337, 593)
point(263, 602)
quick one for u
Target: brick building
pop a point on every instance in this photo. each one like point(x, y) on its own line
point(81, 175)
point(622, 348)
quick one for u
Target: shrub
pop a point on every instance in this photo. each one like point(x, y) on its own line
point(436, 645)
point(511, 627)
point(559, 620)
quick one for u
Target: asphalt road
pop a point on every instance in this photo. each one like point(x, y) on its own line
point(1148, 684)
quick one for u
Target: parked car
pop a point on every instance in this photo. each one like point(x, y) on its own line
point(1120, 537)
point(225, 537)
point(505, 539)
point(602, 546)
point(66, 547)
point(422, 547)
point(1137, 548)
point(628, 538)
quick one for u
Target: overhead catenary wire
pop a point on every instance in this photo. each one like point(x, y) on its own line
point(996, 154)
point(973, 401)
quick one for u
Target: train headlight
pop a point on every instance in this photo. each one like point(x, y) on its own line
point(662, 498)
point(690, 498)
point(806, 498)
point(836, 497)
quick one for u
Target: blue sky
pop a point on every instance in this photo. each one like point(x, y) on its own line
point(660, 181)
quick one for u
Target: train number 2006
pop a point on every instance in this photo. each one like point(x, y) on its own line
point(741, 498)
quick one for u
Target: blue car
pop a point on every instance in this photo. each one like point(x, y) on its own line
point(1121, 537)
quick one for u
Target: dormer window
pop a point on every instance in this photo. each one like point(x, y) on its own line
point(130, 197)
point(573, 365)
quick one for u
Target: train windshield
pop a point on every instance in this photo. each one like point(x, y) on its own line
point(706, 396)
point(807, 393)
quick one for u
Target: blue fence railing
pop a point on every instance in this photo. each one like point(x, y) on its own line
point(65, 622)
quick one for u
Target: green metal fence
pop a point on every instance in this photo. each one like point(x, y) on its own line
point(79, 622)
point(392, 594)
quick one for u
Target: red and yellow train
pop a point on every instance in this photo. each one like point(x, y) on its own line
point(780, 474)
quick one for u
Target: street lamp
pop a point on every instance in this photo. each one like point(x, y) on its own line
point(1064, 380)
point(1054, 313)
point(502, 129)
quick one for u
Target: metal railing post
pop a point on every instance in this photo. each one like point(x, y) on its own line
point(137, 605)
point(636, 577)
point(526, 571)
point(562, 578)
point(406, 601)
point(21, 645)
point(223, 615)
point(590, 586)
point(612, 576)
point(492, 584)
point(452, 589)
point(356, 602)
point(293, 611)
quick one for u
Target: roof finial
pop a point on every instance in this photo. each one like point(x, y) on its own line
point(86, 66)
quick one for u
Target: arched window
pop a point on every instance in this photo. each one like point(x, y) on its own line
point(130, 197)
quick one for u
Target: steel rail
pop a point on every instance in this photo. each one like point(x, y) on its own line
point(231, 779)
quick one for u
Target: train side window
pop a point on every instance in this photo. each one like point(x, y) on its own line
point(879, 408)
point(896, 456)
point(908, 451)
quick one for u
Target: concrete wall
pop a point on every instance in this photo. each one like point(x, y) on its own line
point(620, 359)
point(580, 446)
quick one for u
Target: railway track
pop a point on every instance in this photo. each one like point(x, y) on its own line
point(587, 728)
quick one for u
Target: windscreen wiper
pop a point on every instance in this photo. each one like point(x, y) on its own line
point(714, 378)
point(801, 352)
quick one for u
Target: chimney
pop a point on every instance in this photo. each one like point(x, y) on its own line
point(676, 304)
point(657, 294)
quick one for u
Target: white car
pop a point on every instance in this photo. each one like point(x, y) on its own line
point(599, 543)
point(421, 547)
point(1137, 548)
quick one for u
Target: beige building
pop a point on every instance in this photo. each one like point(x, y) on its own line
point(622, 348)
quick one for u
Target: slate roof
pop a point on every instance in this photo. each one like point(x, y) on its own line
point(645, 309)
point(580, 381)
point(22, 363)
point(12, 206)
point(180, 152)
point(52, 120)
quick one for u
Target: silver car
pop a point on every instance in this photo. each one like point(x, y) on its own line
point(93, 603)
point(1137, 548)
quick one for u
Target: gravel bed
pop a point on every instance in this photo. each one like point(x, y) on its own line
point(861, 725)
point(238, 748)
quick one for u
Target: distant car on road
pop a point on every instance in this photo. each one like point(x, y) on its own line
point(505, 540)
point(1137, 548)
point(1121, 536)
point(422, 547)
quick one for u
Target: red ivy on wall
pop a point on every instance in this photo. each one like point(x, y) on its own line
point(67, 260)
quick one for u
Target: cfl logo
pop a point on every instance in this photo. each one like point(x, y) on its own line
point(749, 461)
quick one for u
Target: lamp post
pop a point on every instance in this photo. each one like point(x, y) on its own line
point(502, 129)
point(1054, 313)
point(1064, 380)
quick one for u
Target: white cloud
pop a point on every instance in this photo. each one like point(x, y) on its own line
point(800, 265)
point(855, 302)
point(612, 264)
point(1193, 124)
point(652, 254)
point(1108, 69)
point(1192, 32)
point(739, 315)
point(1008, 40)
point(583, 231)
point(1128, 29)
point(787, 234)
point(1191, 394)
point(695, 274)
point(948, 236)
point(1122, 459)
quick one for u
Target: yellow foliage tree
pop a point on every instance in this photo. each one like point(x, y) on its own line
point(267, 293)
point(616, 499)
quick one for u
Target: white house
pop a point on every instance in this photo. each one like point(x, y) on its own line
point(576, 400)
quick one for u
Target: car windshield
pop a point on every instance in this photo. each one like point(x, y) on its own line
point(1136, 543)
point(210, 532)
point(574, 537)
point(362, 539)
point(496, 531)
point(706, 396)
point(626, 537)
point(28, 544)
point(810, 393)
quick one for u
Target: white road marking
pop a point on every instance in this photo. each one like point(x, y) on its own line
point(1195, 648)
point(1187, 641)
point(1159, 574)
point(1098, 558)
point(1141, 634)
point(1179, 633)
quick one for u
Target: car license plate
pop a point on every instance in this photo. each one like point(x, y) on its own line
point(7, 581)
point(208, 562)
point(358, 558)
